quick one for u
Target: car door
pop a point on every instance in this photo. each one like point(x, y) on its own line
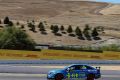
point(81, 72)
point(75, 73)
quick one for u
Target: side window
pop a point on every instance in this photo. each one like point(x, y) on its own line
point(72, 68)
point(88, 67)
point(77, 67)
point(82, 67)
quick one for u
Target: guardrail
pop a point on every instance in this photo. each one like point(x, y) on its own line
point(114, 62)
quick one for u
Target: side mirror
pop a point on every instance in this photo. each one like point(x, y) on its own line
point(68, 69)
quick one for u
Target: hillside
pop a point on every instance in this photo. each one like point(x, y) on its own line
point(63, 12)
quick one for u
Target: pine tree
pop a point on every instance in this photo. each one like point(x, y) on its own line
point(10, 23)
point(95, 32)
point(87, 27)
point(30, 24)
point(33, 21)
point(6, 20)
point(0, 22)
point(33, 28)
point(87, 32)
point(55, 29)
point(70, 30)
point(22, 26)
point(41, 26)
point(17, 23)
point(62, 28)
point(78, 32)
point(51, 27)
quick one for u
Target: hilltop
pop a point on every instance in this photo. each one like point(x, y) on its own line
point(64, 12)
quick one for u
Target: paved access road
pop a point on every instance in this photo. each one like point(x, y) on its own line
point(38, 72)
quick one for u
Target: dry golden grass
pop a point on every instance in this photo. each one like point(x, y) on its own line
point(57, 54)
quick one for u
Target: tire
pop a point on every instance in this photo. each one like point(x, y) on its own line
point(59, 77)
point(90, 77)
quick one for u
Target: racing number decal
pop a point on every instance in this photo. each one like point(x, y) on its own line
point(77, 75)
point(81, 75)
point(68, 75)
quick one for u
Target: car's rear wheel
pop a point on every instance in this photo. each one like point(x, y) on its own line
point(59, 77)
point(90, 77)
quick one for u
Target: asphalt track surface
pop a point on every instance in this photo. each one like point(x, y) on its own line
point(41, 74)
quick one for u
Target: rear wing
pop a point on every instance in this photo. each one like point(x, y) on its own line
point(98, 68)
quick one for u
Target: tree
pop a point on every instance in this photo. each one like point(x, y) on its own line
point(17, 23)
point(55, 29)
point(6, 20)
point(22, 26)
point(10, 23)
point(41, 26)
point(87, 27)
point(51, 27)
point(87, 32)
point(0, 22)
point(95, 32)
point(78, 32)
point(33, 21)
point(70, 30)
point(16, 39)
point(62, 28)
point(31, 26)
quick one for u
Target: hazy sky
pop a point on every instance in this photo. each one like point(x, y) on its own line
point(113, 1)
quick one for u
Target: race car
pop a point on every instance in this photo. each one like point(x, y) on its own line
point(75, 72)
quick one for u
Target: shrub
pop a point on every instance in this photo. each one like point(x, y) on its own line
point(16, 39)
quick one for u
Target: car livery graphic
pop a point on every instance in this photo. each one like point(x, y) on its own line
point(75, 72)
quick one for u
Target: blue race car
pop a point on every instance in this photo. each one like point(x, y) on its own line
point(75, 72)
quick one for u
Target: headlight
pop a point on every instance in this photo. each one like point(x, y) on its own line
point(50, 73)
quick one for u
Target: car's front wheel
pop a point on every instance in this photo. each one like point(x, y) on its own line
point(59, 77)
point(90, 77)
